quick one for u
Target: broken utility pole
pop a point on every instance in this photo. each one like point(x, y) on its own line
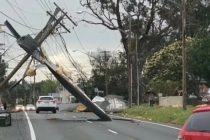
point(33, 48)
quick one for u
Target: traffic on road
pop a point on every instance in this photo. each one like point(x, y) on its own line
point(81, 126)
point(104, 70)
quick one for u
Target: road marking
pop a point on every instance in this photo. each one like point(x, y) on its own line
point(112, 131)
point(89, 121)
point(163, 125)
point(33, 136)
point(74, 117)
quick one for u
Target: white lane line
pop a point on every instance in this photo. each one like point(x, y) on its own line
point(112, 131)
point(89, 121)
point(163, 125)
point(33, 136)
point(159, 124)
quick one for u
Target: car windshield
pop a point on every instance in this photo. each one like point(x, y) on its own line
point(29, 105)
point(199, 122)
point(46, 98)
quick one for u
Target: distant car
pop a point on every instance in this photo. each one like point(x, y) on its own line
point(5, 118)
point(197, 127)
point(46, 103)
point(205, 97)
point(19, 108)
point(1, 107)
point(30, 107)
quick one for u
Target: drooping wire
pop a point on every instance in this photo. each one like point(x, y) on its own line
point(70, 57)
point(15, 57)
point(80, 42)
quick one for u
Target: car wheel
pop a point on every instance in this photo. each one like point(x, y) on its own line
point(7, 121)
point(10, 121)
point(37, 111)
point(54, 111)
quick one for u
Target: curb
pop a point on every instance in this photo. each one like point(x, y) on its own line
point(136, 120)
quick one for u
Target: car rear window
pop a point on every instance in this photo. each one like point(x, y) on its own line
point(199, 122)
point(46, 98)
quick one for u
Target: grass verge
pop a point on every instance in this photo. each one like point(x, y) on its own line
point(158, 114)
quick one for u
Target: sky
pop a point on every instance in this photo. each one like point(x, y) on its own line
point(82, 39)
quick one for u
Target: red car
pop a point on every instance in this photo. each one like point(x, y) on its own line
point(197, 127)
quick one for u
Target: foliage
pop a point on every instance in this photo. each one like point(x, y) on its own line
point(157, 24)
point(23, 92)
point(3, 67)
point(164, 69)
point(166, 87)
point(165, 64)
point(118, 76)
point(115, 70)
point(199, 58)
point(47, 86)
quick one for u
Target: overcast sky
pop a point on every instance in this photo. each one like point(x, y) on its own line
point(84, 37)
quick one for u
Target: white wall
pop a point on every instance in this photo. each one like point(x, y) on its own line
point(175, 101)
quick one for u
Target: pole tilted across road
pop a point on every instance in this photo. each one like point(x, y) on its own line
point(32, 47)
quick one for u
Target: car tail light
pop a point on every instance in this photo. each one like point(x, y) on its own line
point(53, 102)
point(180, 137)
point(39, 101)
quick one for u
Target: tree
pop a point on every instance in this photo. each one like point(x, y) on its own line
point(114, 67)
point(22, 92)
point(199, 59)
point(46, 86)
point(155, 22)
point(3, 67)
point(165, 64)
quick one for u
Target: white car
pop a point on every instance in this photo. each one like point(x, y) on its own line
point(30, 107)
point(19, 108)
point(1, 107)
point(46, 103)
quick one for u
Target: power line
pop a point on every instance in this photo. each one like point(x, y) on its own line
point(44, 4)
point(18, 14)
point(15, 57)
point(40, 4)
point(48, 6)
point(71, 58)
point(79, 40)
point(18, 21)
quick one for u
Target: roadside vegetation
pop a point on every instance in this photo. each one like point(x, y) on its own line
point(169, 115)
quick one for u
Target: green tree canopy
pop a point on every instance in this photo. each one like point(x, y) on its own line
point(3, 67)
point(115, 69)
point(46, 86)
point(199, 59)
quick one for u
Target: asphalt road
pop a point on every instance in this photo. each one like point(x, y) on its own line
point(81, 126)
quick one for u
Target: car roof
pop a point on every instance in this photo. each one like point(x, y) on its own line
point(45, 96)
point(202, 108)
point(19, 105)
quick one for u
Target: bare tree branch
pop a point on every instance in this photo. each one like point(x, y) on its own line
point(100, 23)
point(152, 16)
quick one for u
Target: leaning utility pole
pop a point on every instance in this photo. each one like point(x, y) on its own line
point(33, 47)
point(184, 67)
